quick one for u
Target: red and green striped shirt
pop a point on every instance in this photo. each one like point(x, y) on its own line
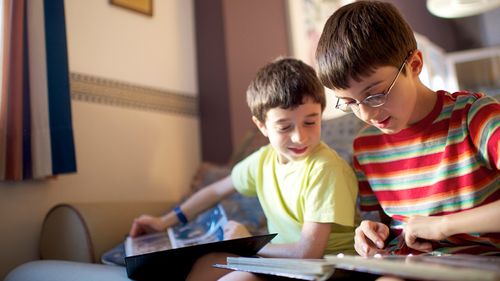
point(446, 163)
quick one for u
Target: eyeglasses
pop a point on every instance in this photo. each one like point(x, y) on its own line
point(371, 101)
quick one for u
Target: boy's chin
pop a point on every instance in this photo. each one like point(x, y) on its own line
point(293, 158)
point(390, 131)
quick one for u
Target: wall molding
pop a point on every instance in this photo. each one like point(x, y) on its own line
point(111, 92)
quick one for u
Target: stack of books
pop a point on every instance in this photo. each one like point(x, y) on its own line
point(304, 269)
point(433, 266)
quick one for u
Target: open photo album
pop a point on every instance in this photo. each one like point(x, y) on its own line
point(169, 255)
point(207, 227)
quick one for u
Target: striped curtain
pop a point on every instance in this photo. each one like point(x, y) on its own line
point(36, 134)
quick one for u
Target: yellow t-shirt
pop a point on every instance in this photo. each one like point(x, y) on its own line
point(320, 188)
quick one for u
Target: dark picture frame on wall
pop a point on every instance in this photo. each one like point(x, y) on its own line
point(142, 6)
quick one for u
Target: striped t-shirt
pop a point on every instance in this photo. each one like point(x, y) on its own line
point(446, 163)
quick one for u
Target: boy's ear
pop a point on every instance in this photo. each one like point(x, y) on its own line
point(260, 125)
point(416, 63)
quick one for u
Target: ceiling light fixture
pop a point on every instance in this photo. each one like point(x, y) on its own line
point(461, 8)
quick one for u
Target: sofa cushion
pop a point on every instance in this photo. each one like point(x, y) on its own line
point(52, 270)
point(243, 209)
point(339, 133)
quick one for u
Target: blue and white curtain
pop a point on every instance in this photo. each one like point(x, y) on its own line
point(36, 134)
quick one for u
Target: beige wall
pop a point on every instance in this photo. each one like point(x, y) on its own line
point(123, 154)
point(113, 42)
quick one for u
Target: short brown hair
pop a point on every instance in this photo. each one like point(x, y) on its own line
point(283, 83)
point(360, 37)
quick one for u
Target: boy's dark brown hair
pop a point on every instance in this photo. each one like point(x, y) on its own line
point(283, 83)
point(360, 37)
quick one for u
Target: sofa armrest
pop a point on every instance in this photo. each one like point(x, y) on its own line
point(84, 231)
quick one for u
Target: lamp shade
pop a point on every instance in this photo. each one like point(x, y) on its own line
point(461, 8)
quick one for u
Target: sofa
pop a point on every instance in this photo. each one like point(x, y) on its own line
point(75, 235)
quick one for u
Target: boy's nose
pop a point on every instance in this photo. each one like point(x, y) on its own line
point(366, 112)
point(299, 135)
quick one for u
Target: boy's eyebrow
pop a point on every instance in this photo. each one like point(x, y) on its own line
point(284, 120)
point(366, 89)
point(312, 114)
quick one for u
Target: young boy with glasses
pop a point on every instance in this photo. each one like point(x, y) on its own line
point(307, 192)
point(429, 161)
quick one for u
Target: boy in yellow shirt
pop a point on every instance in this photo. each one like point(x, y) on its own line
point(308, 193)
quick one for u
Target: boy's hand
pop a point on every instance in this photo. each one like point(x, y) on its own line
point(146, 224)
point(420, 228)
point(233, 230)
point(369, 237)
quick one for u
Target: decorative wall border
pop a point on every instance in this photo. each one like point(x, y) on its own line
point(95, 89)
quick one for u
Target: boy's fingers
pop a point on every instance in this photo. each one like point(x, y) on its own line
point(363, 248)
point(371, 231)
point(413, 242)
point(359, 250)
point(421, 246)
point(134, 229)
point(409, 239)
point(361, 245)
